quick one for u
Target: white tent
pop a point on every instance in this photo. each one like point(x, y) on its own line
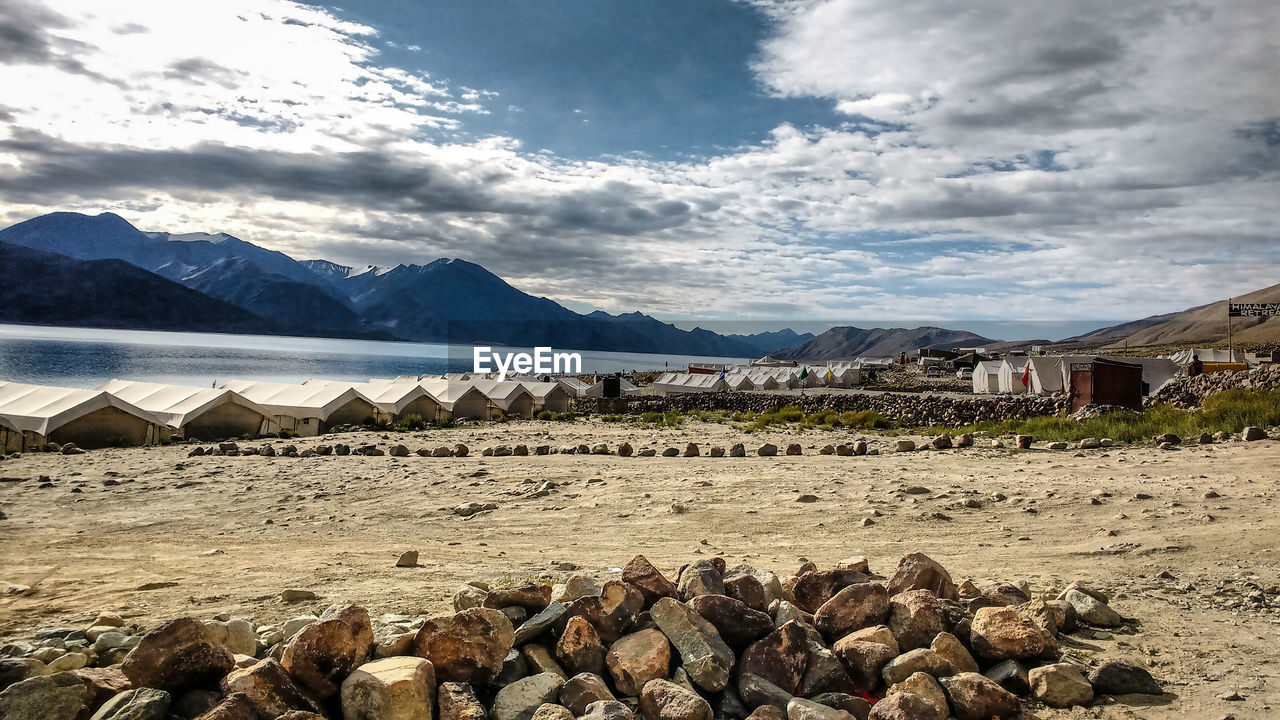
point(201, 413)
point(88, 418)
point(986, 377)
point(670, 383)
point(574, 386)
point(1207, 355)
point(1052, 374)
point(739, 381)
point(393, 398)
point(458, 400)
point(1155, 371)
point(1011, 371)
point(307, 409)
point(549, 396)
point(508, 397)
point(763, 380)
point(842, 373)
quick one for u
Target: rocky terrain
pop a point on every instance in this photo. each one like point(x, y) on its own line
point(252, 549)
point(1190, 392)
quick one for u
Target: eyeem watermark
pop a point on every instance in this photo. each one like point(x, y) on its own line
point(542, 362)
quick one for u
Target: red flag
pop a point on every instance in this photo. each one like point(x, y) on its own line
point(1026, 376)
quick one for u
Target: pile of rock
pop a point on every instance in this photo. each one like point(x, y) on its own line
point(902, 410)
point(715, 642)
point(1189, 392)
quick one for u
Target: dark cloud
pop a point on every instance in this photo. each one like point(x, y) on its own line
point(200, 70)
point(25, 39)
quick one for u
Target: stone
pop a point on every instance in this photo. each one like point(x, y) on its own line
point(700, 578)
point(1057, 446)
point(140, 704)
point(1090, 443)
point(949, 648)
point(864, 659)
point(637, 658)
point(716, 451)
point(514, 667)
point(691, 450)
point(103, 683)
point(398, 451)
point(904, 706)
point(768, 712)
point(747, 589)
point(533, 596)
point(49, 697)
point(407, 559)
point(813, 589)
point(270, 689)
point(177, 655)
point(974, 697)
point(325, 652)
point(767, 450)
point(232, 707)
point(915, 618)
point(540, 659)
point(520, 699)
point(195, 703)
point(941, 442)
point(824, 673)
point(600, 449)
point(469, 596)
point(575, 587)
point(1010, 675)
point(612, 613)
point(1002, 633)
point(1252, 433)
point(469, 646)
point(911, 662)
point(664, 700)
point(1060, 685)
point(793, 449)
point(737, 624)
point(583, 689)
point(457, 701)
point(860, 448)
point(460, 450)
point(14, 670)
point(467, 509)
point(918, 571)
point(704, 655)
point(648, 579)
point(965, 440)
point(904, 445)
point(780, 658)
point(548, 711)
point(853, 608)
point(73, 661)
point(878, 634)
point(538, 624)
point(757, 691)
point(1118, 678)
point(293, 595)
point(1023, 442)
point(579, 649)
point(671, 452)
point(855, 706)
point(394, 688)
point(625, 450)
point(608, 710)
point(801, 709)
point(1091, 610)
point(738, 450)
point(925, 687)
point(828, 450)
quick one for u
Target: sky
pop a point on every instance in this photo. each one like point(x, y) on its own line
point(776, 162)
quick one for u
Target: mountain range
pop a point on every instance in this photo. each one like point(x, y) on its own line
point(849, 342)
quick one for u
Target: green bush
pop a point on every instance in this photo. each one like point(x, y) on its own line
point(285, 434)
point(411, 422)
point(546, 415)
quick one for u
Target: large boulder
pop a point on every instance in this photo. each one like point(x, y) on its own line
point(648, 579)
point(1060, 685)
point(779, 658)
point(178, 655)
point(61, 696)
point(802, 709)
point(915, 618)
point(813, 589)
point(904, 706)
point(911, 662)
point(665, 700)
point(469, 646)
point(608, 710)
point(322, 654)
point(855, 607)
point(457, 701)
point(700, 578)
point(270, 689)
point(538, 624)
point(611, 613)
point(394, 688)
point(140, 704)
point(974, 697)
point(949, 648)
point(1091, 609)
point(1117, 678)
point(520, 699)
point(582, 690)
point(1002, 633)
point(918, 571)
point(579, 648)
point(864, 659)
point(924, 686)
point(703, 653)
point(637, 658)
point(532, 596)
point(737, 624)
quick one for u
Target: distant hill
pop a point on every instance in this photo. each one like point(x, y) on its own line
point(767, 343)
point(1208, 324)
point(840, 343)
point(46, 288)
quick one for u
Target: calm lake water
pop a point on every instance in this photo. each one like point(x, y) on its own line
point(83, 357)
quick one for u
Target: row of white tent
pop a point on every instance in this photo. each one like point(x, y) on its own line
point(843, 373)
point(1051, 374)
point(127, 412)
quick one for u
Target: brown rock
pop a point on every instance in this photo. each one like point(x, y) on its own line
point(915, 617)
point(793, 449)
point(650, 581)
point(358, 618)
point(974, 697)
point(540, 659)
point(61, 696)
point(824, 673)
point(904, 706)
point(394, 688)
point(233, 707)
point(583, 689)
point(737, 624)
point(322, 654)
point(949, 648)
point(691, 450)
point(924, 686)
point(178, 655)
point(1001, 633)
point(700, 578)
point(548, 711)
point(853, 608)
point(864, 659)
point(637, 658)
point(747, 589)
point(664, 700)
point(457, 701)
point(1060, 685)
point(103, 683)
point(878, 633)
point(1010, 675)
point(270, 689)
point(911, 662)
point(608, 710)
point(813, 589)
point(768, 712)
point(467, 647)
point(779, 658)
point(530, 596)
point(918, 571)
point(802, 709)
point(579, 648)
point(612, 613)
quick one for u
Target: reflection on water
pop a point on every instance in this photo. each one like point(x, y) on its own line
point(81, 357)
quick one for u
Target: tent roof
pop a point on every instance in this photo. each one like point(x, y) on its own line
point(540, 390)
point(502, 393)
point(447, 392)
point(319, 399)
point(390, 396)
point(42, 408)
point(176, 405)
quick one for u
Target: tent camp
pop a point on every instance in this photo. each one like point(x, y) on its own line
point(1207, 355)
point(986, 377)
point(1050, 374)
point(626, 387)
point(458, 400)
point(739, 380)
point(508, 397)
point(1011, 370)
point(195, 413)
point(550, 396)
point(574, 386)
point(672, 383)
point(769, 361)
point(395, 399)
point(88, 418)
point(1155, 371)
point(842, 373)
point(763, 380)
point(307, 409)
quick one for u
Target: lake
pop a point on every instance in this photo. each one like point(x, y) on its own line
point(88, 357)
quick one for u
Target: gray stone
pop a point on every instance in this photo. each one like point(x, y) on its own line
point(139, 704)
point(520, 699)
point(582, 690)
point(49, 697)
point(704, 655)
point(1060, 685)
point(1117, 678)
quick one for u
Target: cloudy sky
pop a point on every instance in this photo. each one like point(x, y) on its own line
point(807, 159)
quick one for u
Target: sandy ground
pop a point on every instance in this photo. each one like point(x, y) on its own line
point(335, 525)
